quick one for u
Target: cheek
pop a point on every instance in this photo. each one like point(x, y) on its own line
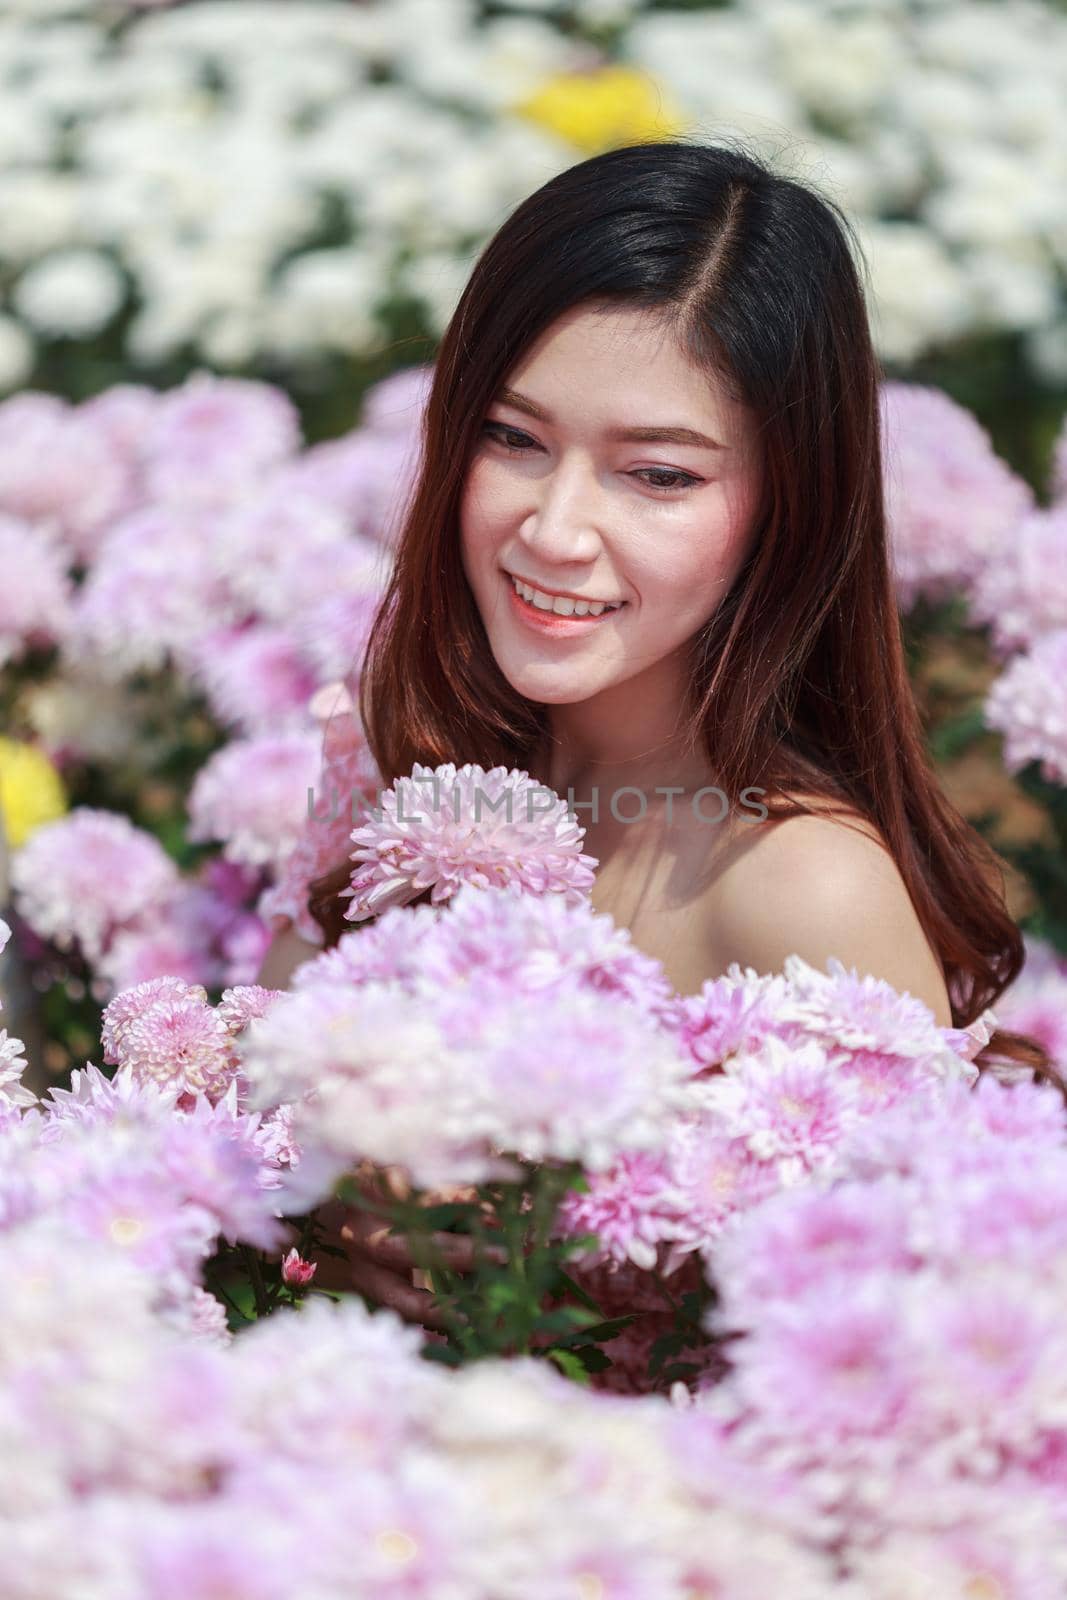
point(482, 515)
point(693, 571)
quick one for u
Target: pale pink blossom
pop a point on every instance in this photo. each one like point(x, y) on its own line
point(281, 552)
point(441, 827)
point(209, 440)
point(1024, 595)
point(35, 588)
point(61, 469)
point(1026, 704)
point(255, 678)
point(252, 795)
point(151, 594)
point(83, 878)
point(953, 506)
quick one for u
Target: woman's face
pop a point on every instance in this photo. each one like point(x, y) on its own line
point(556, 497)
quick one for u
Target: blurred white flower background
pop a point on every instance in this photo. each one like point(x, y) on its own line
point(261, 182)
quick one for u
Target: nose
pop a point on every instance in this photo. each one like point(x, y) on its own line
point(563, 524)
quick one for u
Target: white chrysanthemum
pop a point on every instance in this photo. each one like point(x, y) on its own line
point(71, 294)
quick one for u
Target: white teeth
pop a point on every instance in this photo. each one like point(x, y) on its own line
point(558, 604)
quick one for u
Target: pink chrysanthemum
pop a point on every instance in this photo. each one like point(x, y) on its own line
point(281, 552)
point(59, 468)
point(831, 1367)
point(1036, 1003)
point(242, 1004)
point(803, 1239)
point(210, 439)
point(532, 942)
point(122, 414)
point(151, 594)
point(138, 955)
point(203, 933)
point(84, 877)
point(788, 1103)
point(631, 1208)
point(179, 1041)
point(369, 474)
point(713, 1173)
point(334, 630)
point(732, 1014)
point(1026, 704)
point(255, 678)
point(34, 588)
point(1024, 595)
point(441, 827)
point(953, 506)
point(858, 1013)
point(123, 1011)
point(253, 795)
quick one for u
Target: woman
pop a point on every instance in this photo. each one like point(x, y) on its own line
point(658, 391)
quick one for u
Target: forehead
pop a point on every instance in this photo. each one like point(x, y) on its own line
point(622, 368)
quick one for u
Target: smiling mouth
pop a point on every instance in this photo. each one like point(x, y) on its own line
point(549, 613)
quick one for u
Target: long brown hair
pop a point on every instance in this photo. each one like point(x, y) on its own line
point(798, 681)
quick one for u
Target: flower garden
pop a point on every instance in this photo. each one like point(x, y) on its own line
point(765, 1285)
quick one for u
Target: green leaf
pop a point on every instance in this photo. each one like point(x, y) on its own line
point(444, 1354)
point(570, 1364)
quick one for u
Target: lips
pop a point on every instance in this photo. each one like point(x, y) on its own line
point(552, 623)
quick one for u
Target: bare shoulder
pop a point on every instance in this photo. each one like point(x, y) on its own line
point(820, 886)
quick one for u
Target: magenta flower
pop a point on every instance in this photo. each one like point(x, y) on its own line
point(441, 827)
point(297, 1272)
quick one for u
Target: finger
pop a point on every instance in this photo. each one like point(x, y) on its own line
point(397, 1182)
point(369, 1237)
point(456, 1251)
point(387, 1289)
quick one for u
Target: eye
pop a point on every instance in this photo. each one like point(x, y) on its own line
point(493, 429)
point(500, 431)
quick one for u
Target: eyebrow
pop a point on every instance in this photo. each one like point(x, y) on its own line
point(672, 435)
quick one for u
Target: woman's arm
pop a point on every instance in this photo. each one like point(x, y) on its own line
point(816, 887)
point(286, 952)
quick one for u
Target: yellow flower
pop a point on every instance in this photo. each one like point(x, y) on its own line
point(31, 791)
point(603, 109)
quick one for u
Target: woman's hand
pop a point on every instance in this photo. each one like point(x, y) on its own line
point(380, 1264)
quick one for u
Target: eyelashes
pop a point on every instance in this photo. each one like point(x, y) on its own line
point(685, 480)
